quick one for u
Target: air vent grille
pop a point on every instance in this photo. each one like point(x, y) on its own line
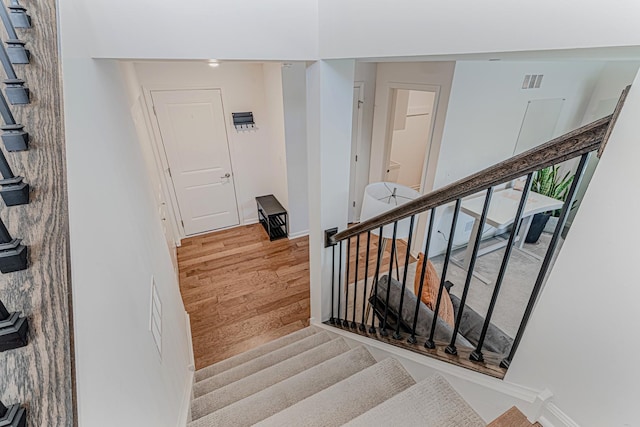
point(532, 81)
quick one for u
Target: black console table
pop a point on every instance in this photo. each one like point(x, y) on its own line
point(273, 217)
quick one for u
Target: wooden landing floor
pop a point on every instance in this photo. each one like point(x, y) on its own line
point(241, 290)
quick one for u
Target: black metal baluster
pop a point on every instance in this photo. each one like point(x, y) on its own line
point(412, 339)
point(13, 255)
point(372, 329)
point(332, 320)
point(566, 208)
point(12, 188)
point(355, 283)
point(451, 348)
point(477, 356)
point(364, 288)
point(13, 332)
point(339, 280)
point(13, 136)
point(383, 330)
point(397, 335)
point(19, 15)
point(429, 343)
point(345, 322)
point(14, 415)
point(15, 47)
point(15, 90)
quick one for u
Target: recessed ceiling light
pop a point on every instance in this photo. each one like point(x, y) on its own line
point(213, 63)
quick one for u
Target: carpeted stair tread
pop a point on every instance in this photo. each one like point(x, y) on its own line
point(241, 358)
point(430, 403)
point(347, 399)
point(279, 396)
point(252, 384)
point(259, 363)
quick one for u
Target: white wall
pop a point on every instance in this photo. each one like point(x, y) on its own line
point(203, 29)
point(116, 246)
point(415, 27)
point(256, 156)
point(580, 342)
point(485, 114)
point(409, 144)
point(329, 109)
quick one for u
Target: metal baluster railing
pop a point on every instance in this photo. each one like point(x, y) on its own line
point(13, 255)
point(333, 281)
point(476, 355)
point(12, 188)
point(383, 329)
point(15, 89)
point(372, 329)
point(396, 334)
point(13, 416)
point(364, 288)
point(13, 331)
point(13, 136)
point(18, 54)
point(412, 339)
point(355, 283)
point(19, 15)
point(454, 221)
point(345, 321)
point(546, 262)
point(451, 348)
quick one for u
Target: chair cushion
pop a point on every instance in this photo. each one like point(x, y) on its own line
point(430, 291)
point(443, 331)
point(471, 326)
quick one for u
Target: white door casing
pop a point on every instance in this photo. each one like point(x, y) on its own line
point(358, 177)
point(194, 136)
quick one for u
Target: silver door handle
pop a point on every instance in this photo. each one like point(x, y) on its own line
point(226, 175)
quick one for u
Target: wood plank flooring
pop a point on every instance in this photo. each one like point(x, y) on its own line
point(241, 290)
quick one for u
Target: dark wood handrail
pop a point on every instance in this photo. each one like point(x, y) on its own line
point(575, 143)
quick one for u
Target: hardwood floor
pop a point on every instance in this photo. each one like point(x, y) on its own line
point(241, 290)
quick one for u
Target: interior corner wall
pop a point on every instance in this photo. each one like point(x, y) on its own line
point(255, 167)
point(579, 342)
point(274, 104)
point(117, 246)
point(295, 128)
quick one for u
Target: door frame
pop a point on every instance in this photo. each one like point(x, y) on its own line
point(354, 171)
point(430, 160)
point(163, 162)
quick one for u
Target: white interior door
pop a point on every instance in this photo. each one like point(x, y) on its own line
point(194, 135)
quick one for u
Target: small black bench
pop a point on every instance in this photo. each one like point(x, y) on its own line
point(273, 217)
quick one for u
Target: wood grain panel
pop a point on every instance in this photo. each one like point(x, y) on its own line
point(41, 375)
point(242, 290)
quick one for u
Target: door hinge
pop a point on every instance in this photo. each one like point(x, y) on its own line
point(356, 157)
point(153, 107)
point(169, 170)
point(182, 222)
point(360, 103)
point(354, 203)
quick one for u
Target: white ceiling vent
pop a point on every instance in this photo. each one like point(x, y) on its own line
point(532, 81)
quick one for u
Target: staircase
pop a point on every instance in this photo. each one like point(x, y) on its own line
point(315, 378)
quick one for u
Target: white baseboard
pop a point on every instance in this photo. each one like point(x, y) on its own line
point(553, 416)
point(184, 417)
point(298, 234)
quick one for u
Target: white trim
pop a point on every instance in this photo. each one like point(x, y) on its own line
point(298, 234)
point(553, 416)
point(192, 359)
point(184, 416)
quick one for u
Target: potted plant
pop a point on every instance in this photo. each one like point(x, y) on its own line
point(548, 182)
